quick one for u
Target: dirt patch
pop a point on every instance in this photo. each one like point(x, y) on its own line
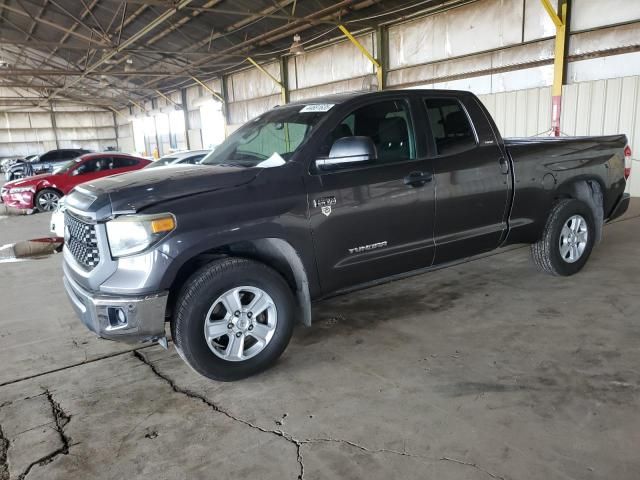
point(30, 249)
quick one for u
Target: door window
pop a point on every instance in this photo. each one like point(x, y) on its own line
point(94, 165)
point(387, 123)
point(450, 126)
point(123, 162)
point(195, 159)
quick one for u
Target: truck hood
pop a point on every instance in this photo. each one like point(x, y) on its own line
point(134, 191)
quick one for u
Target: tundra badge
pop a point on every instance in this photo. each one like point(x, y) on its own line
point(366, 248)
point(325, 204)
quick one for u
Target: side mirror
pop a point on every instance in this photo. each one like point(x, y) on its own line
point(348, 151)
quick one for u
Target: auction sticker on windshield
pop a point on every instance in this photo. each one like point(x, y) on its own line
point(317, 107)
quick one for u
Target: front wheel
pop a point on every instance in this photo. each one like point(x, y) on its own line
point(234, 318)
point(567, 240)
point(47, 200)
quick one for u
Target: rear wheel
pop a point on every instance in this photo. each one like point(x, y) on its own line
point(234, 318)
point(568, 239)
point(47, 200)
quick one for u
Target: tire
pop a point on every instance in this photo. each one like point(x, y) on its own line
point(559, 252)
point(46, 200)
point(199, 305)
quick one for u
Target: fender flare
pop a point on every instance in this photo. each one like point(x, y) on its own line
point(277, 253)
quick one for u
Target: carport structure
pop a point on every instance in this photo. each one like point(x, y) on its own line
point(484, 370)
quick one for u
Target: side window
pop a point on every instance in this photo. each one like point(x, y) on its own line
point(123, 162)
point(195, 159)
point(452, 132)
point(48, 157)
point(387, 123)
point(94, 165)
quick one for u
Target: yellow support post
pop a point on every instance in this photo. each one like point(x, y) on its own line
point(117, 112)
point(208, 89)
point(283, 92)
point(560, 21)
point(141, 107)
point(359, 46)
point(167, 98)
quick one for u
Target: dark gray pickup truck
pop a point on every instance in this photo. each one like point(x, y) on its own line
point(320, 197)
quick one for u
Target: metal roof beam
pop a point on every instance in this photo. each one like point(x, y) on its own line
point(43, 21)
point(129, 41)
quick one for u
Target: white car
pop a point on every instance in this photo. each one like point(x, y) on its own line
point(191, 157)
point(57, 220)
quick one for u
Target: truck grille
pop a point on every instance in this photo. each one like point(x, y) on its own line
point(82, 242)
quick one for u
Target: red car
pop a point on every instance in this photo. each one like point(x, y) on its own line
point(43, 192)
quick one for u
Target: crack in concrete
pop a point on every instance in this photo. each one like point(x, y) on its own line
point(61, 419)
point(216, 408)
point(278, 433)
point(4, 449)
point(473, 465)
point(74, 365)
point(290, 438)
point(365, 449)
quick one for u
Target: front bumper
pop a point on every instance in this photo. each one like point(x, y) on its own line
point(621, 207)
point(144, 315)
point(23, 200)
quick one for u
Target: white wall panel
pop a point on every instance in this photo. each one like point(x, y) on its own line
point(473, 28)
point(615, 66)
point(596, 13)
point(537, 24)
point(332, 63)
point(253, 83)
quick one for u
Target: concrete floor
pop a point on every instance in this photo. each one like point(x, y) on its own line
point(483, 370)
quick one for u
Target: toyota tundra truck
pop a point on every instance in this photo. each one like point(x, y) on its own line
point(318, 198)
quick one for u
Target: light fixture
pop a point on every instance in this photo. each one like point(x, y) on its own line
point(3, 63)
point(296, 47)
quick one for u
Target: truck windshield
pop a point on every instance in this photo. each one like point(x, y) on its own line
point(270, 140)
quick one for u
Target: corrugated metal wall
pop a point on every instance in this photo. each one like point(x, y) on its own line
point(600, 107)
point(24, 133)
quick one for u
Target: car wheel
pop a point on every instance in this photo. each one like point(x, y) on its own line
point(568, 238)
point(47, 200)
point(233, 318)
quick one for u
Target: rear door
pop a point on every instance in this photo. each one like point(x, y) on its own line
point(368, 221)
point(473, 183)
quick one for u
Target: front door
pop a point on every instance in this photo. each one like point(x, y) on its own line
point(375, 219)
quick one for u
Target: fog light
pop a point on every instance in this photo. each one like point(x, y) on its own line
point(117, 317)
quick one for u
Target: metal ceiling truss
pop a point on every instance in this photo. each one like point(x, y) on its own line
point(115, 52)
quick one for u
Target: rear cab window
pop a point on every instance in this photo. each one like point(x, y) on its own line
point(450, 126)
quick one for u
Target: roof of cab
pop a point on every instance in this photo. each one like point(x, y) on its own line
point(337, 98)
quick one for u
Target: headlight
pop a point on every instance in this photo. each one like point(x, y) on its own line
point(132, 234)
point(21, 189)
